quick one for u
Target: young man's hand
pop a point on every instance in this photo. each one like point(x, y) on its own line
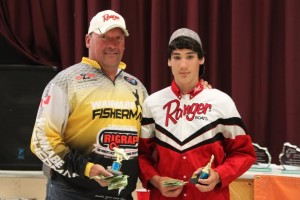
point(169, 191)
point(206, 185)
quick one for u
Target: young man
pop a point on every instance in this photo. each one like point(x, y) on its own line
point(184, 125)
point(86, 111)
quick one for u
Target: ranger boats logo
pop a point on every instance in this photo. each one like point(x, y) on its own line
point(174, 112)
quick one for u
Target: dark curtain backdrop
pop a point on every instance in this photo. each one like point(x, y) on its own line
point(253, 49)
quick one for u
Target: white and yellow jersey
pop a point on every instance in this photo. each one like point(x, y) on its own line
point(83, 114)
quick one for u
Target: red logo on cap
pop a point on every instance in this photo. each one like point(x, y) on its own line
point(107, 17)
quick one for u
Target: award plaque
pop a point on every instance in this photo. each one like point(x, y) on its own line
point(263, 159)
point(289, 158)
point(116, 165)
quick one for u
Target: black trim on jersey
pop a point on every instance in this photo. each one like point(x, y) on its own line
point(218, 137)
point(75, 162)
point(118, 75)
point(147, 121)
point(234, 121)
point(229, 121)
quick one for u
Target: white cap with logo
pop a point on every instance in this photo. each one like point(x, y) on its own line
point(105, 21)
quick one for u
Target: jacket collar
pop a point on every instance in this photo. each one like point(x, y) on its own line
point(197, 89)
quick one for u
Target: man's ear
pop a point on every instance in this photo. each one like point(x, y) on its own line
point(169, 62)
point(87, 40)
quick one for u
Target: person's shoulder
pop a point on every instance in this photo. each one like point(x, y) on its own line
point(217, 94)
point(164, 90)
point(70, 69)
point(131, 78)
point(68, 73)
point(215, 91)
point(126, 74)
point(158, 95)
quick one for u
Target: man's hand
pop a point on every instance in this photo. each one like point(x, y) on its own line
point(206, 185)
point(97, 170)
point(170, 191)
point(206, 84)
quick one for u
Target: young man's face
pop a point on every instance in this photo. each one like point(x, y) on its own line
point(185, 66)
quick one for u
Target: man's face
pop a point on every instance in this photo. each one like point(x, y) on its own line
point(185, 66)
point(107, 49)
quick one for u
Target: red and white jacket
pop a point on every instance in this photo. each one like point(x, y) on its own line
point(181, 132)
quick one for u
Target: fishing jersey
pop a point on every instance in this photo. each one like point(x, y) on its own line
point(83, 114)
point(184, 131)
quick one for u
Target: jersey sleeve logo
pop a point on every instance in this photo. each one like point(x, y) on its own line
point(130, 80)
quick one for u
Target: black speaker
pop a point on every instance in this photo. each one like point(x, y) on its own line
point(21, 88)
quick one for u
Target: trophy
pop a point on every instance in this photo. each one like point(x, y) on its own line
point(116, 166)
point(263, 159)
point(204, 172)
point(289, 158)
point(117, 180)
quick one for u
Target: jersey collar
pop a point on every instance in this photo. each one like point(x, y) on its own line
point(96, 65)
point(197, 89)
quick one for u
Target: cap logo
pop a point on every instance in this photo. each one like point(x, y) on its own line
point(106, 17)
